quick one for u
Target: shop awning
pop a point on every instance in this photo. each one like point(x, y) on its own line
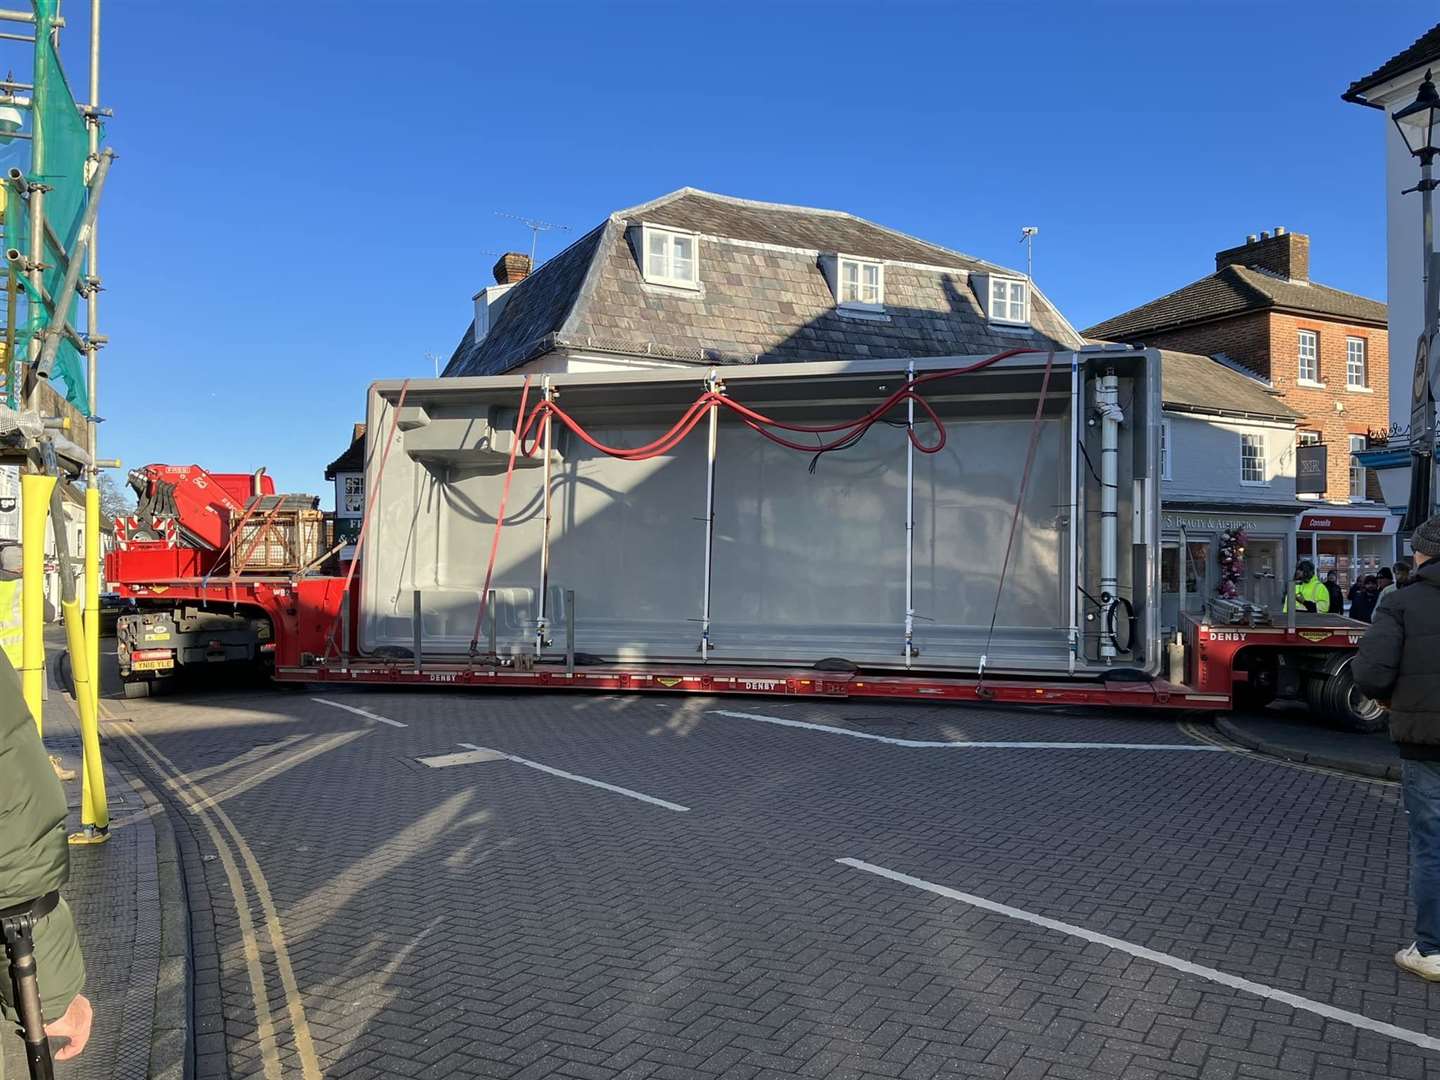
point(1378, 523)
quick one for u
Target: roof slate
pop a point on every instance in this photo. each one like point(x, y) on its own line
point(1188, 381)
point(1424, 50)
point(1233, 291)
point(763, 294)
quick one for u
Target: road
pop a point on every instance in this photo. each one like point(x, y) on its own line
point(631, 887)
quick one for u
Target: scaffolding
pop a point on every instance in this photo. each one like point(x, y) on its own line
point(52, 175)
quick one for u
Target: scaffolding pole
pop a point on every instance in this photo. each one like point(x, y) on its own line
point(92, 375)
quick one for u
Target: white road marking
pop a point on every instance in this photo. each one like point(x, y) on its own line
point(464, 757)
point(1235, 982)
point(360, 712)
point(937, 744)
point(581, 779)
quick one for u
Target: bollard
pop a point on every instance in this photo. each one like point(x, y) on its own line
point(35, 492)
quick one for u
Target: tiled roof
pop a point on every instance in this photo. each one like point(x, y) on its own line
point(1191, 382)
point(353, 459)
point(533, 313)
point(763, 294)
point(1425, 50)
point(1233, 291)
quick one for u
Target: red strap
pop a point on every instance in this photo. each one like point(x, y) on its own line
point(369, 511)
point(520, 424)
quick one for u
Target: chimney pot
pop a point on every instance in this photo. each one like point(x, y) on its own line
point(1279, 230)
point(512, 267)
point(1250, 238)
point(1264, 235)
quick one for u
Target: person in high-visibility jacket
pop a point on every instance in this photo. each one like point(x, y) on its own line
point(1310, 592)
point(12, 626)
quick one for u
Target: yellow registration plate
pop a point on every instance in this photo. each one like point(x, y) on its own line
point(153, 665)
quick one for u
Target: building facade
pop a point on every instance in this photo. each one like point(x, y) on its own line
point(1323, 352)
point(1389, 87)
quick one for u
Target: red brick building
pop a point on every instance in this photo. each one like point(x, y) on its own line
point(1324, 351)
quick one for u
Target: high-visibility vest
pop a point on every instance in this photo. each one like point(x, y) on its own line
point(1314, 591)
point(12, 625)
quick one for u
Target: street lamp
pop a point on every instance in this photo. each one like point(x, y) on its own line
point(1419, 127)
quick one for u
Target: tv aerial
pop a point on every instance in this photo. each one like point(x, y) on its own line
point(536, 227)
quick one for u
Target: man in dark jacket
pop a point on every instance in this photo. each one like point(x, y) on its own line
point(1337, 596)
point(35, 861)
point(1399, 662)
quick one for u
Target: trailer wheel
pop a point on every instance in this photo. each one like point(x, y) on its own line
point(1334, 695)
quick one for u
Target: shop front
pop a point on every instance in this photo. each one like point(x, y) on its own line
point(1350, 543)
point(1212, 549)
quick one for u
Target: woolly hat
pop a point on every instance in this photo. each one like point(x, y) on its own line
point(1426, 539)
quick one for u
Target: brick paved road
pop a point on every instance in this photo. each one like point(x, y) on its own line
point(490, 920)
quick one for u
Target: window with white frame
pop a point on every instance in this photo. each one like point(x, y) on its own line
point(1009, 301)
point(1252, 458)
point(671, 258)
point(1309, 356)
point(1355, 362)
point(1164, 449)
point(862, 283)
point(1357, 471)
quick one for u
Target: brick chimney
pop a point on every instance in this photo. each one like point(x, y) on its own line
point(511, 268)
point(1283, 253)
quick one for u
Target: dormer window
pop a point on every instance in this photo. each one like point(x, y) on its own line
point(1009, 301)
point(862, 284)
point(670, 257)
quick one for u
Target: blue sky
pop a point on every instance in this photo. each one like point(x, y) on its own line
point(306, 195)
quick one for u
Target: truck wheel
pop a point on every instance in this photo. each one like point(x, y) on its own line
point(1343, 703)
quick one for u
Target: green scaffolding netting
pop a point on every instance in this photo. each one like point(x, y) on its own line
point(55, 156)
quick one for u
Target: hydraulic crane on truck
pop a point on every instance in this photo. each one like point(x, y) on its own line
point(205, 529)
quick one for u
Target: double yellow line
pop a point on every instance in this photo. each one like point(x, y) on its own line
point(234, 852)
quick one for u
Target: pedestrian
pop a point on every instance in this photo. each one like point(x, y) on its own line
point(1362, 604)
point(34, 866)
point(1401, 570)
point(1337, 596)
point(1310, 592)
point(1398, 663)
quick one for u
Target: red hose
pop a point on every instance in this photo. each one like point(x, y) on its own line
point(500, 517)
point(532, 427)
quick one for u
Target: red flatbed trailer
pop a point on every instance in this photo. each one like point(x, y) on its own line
point(311, 645)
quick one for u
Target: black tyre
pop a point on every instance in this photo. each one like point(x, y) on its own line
point(1343, 703)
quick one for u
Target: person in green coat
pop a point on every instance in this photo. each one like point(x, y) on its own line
point(34, 861)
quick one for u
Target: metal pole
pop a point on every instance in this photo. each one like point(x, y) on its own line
point(542, 623)
point(569, 631)
point(92, 365)
point(1076, 434)
point(61, 299)
point(910, 516)
point(1107, 396)
point(417, 631)
point(711, 447)
point(1426, 435)
point(490, 605)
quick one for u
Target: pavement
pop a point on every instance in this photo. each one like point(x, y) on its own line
point(123, 895)
point(1289, 734)
point(603, 887)
point(374, 884)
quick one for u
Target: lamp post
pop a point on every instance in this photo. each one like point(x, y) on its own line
point(1419, 127)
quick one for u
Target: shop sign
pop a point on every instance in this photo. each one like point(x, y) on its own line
point(1207, 521)
point(1356, 523)
point(1311, 469)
